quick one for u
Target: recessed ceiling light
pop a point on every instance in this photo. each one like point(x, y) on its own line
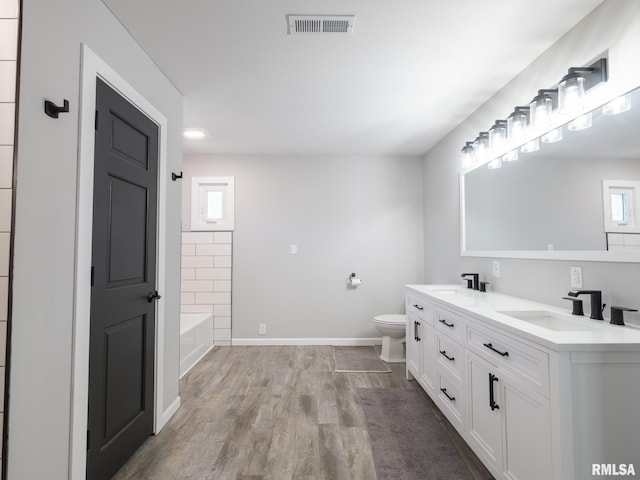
point(194, 133)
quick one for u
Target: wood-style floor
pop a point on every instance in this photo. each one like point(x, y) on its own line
point(272, 413)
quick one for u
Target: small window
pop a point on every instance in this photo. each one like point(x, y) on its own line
point(619, 198)
point(212, 203)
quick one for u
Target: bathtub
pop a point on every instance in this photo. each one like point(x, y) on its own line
point(196, 339)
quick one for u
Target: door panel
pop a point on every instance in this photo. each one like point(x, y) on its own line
point(121, 363)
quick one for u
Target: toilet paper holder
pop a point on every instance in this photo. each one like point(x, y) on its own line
point(353, 281)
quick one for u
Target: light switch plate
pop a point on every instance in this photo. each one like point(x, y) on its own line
point(293, 249)
point(576, 277)
point(496, 268)
point(262, 329)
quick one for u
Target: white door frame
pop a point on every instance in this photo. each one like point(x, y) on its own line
point(93, 67)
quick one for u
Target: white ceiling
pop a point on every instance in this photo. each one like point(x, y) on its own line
point(411, 72)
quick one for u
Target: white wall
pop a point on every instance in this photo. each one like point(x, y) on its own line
point(615, 26)
point(345, 214)
point(43, 296)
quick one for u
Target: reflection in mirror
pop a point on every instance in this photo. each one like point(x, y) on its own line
point(555, 198)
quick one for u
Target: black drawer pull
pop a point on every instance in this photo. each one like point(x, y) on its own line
point(444, 354)
point(416, 326)
point(444, 390)
point(450, 325)
point(415, 305)
point(492, 402)
point(490, 347)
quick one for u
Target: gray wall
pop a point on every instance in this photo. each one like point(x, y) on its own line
point(43, 294)
point(351, 214)
point(614, 26)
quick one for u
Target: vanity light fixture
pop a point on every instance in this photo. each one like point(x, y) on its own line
point(573, 86)
point(468, 156)
point(542, 106)
point(498, 136)
point(481, 147)
point(617, 105)
point(527, 126)
point(517, 124)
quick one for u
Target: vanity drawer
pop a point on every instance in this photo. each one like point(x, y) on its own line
point(419, 307)
point(451, 399)
point(450, 355)
point(450, 324)
point(523, 362)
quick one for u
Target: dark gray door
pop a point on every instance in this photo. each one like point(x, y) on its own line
point(122, 343)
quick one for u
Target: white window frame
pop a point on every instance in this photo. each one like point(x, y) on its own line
point(199, 188)
point(632, 190)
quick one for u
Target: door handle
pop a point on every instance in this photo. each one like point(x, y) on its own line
point(492, 402)
point(151, 296)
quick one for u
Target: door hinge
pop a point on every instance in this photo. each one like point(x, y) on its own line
point(96, 120)
point(92, 274)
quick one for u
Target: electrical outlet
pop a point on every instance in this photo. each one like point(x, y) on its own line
point(293, 249)
point(262, 329)
point(496, 268)
point(576, 277)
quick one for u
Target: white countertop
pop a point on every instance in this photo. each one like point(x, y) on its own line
point(567, 332)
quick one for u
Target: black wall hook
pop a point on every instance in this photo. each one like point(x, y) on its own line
point(53, 110)
point(175, 176)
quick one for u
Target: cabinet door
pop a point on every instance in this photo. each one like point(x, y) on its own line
point(427, 342)
point(484, 412)
point(414, 350)
point(526, 432)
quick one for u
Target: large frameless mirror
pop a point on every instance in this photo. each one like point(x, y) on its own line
point(574, 199)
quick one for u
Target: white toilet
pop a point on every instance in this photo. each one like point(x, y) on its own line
point(393, 330)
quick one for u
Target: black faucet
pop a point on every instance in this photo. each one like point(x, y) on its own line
point(596, 302)
point(475, 284)
point(617, 314)
point(576, 304)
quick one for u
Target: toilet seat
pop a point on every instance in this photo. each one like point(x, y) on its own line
point(391, 319)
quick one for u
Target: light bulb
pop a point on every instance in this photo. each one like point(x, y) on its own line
point(571, 93)
point(498, 136)
point(617, 105)
point(517, 124)
point(468, 156)
point(530, 147)
point(581, 123)
point(540, 109)
point(553, 136)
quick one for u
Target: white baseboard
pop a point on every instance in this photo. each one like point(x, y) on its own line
point(346, 342)
point(167, 414)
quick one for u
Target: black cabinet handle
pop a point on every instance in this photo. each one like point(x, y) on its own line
point(492, 402)
point(444, 390)
point(444, 354)
point(490, 347)
point(153, 296)
point(450, 325)
point(418, 331)
point(418, 306)
point(416, 335)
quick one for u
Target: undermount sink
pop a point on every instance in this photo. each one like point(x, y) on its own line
point(548, 320)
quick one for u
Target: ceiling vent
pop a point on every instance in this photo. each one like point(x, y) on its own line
point(320, 24)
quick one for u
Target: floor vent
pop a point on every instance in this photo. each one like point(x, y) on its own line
point(320, 24)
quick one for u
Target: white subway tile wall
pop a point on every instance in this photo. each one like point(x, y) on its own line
point(9, 14)
point(623, 241)
point(206, 279)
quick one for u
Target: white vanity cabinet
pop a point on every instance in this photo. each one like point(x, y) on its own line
point(508, 421)
point(420, 342)
point(546, 400)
